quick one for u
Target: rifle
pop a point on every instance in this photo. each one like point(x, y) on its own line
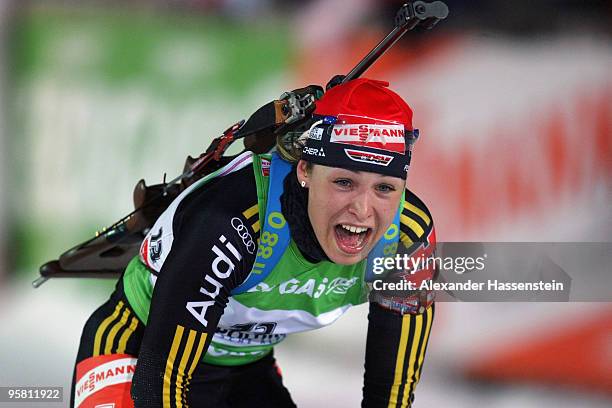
point(109, 251)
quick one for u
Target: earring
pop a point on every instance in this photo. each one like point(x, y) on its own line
point(303, 183)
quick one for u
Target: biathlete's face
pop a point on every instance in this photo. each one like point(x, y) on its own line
point(349, 210)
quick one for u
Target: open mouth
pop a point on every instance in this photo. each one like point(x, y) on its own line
point(351, 238)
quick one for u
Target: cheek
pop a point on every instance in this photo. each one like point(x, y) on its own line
point(321, 209)
point(386, 222)
point(317, 212)
point(387, 213)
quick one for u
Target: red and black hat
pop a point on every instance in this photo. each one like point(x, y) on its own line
point(362, 125)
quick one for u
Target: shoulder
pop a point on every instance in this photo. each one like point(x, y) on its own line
point(224, 207)
point(416, 221)
point(229, 194)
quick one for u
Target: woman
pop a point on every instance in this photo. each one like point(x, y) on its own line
point(264, 247)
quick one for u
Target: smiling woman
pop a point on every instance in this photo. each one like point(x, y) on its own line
point(287, 246)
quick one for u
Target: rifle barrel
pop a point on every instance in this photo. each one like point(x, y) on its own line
point(409, 16)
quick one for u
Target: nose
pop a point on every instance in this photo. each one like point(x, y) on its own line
point(361, 206)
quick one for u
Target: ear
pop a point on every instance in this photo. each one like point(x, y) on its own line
point(302, 171)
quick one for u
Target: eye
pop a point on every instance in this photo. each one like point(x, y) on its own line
point(344, 183)
point(385, 188)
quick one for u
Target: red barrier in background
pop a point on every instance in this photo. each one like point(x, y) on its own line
point(519, 170)
point(481, 185)
point(578, 354)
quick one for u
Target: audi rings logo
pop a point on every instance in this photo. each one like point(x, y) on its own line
point(244, 233)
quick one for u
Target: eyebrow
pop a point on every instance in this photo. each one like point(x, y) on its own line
point(361, 171)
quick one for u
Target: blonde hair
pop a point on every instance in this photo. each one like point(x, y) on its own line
point(289, 145)
point(289, 148)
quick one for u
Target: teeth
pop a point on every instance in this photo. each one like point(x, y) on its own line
point(354, 229)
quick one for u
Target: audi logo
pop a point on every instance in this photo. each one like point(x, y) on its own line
point(244, 234)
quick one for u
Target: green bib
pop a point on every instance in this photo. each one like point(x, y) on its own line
point(295, 295)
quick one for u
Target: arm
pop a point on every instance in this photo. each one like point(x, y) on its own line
point(395, 351)
point(205, 260)
point(398, 332)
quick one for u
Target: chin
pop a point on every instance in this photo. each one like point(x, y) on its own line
point(341, 258)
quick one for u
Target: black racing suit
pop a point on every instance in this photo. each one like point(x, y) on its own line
point(396, 344)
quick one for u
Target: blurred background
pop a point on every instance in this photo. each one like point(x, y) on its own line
point(514, 104)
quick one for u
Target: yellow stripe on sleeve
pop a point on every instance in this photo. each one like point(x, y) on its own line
point(409, 384)
point(103, 326)
point(405, 239)
point(180, 374)
point(248, 213)
point(412, 224)
point(198, 353)
point(125, 337)
point(108, 347)
point(178, 334)
point(256, 226)
point(399, 362)
point(425, 339)
point(418, 211)
point(195, 360)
